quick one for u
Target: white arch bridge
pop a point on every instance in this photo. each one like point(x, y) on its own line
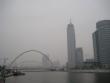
point(45, 57)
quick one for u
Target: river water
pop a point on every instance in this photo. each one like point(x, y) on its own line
point(60, 77)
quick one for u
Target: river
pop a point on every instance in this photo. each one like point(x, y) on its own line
point(60, 77)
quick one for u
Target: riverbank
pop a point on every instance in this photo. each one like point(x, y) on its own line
point(74, 70)
point(90, 71)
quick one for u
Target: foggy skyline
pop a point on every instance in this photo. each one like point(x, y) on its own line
point(42, 24)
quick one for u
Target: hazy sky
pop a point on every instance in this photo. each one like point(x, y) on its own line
point(42, 24)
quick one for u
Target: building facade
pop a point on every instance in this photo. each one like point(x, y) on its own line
point(79, 57)
point(101, 42)
point(71, 46)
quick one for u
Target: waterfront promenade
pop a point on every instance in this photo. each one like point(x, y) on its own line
point(91, 71)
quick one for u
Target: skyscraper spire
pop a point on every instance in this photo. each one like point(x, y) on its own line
point(70, 23)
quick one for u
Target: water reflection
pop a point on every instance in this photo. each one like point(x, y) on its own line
point(81, 78)
point(103, 78)
point(55, 77)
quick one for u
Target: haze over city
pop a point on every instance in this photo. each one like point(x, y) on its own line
point(42, 25)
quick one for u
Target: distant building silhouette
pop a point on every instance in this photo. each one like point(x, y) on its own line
point(46, 62)
point(79, 57)
point(89, 63)
point(101, 42)
point(56, 64)
point(71, 43)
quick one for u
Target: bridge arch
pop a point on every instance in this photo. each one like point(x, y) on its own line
point(28, 52)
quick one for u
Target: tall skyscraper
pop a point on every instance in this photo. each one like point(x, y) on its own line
point(71, 44)
point(79, 57)
point(101, 42)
